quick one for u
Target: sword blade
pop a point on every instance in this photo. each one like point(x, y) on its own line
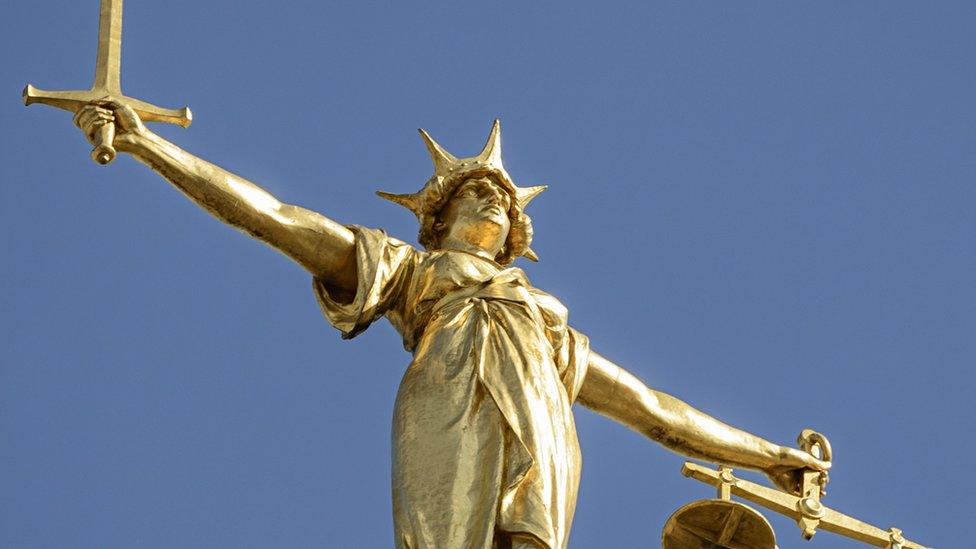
point(108, 60)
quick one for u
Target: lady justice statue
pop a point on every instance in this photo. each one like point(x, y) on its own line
point(485, 452)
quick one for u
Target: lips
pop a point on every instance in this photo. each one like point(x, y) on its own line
point(492, 209)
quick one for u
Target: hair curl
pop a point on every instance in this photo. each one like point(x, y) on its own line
point(438, 191)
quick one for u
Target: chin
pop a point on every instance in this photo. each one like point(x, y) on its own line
point(499, 218)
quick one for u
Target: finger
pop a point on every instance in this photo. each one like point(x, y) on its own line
point(128, 119)
point(124, 123)
point(77, 117)
point(92, 117)
point(126, 115)
point(817, 464)
point(790, 482)
point(89, 109)
point(84, 118)
point(94, 128)
point(96, 114)
point(118, 107)
point(98, 105)
point(108, 103)
point(83, 114)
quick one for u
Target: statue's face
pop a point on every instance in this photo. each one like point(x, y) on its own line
point(477, 214)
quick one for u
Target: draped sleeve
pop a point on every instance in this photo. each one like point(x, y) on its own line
point(383, 269)
point(571, 349)
point(573, 357)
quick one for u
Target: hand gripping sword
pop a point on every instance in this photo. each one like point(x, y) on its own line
point(806, 508)
point(106, 86)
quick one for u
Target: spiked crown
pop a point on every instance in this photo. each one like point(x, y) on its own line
point(449, 173)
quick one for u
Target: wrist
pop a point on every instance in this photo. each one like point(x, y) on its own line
point(778, 456)
point(135, 143)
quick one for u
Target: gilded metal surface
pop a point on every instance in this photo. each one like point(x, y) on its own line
point(814, 483)
point(805, 508)
point(717, 524)
point(106, 86)
point(485, 448)
point(484, 439)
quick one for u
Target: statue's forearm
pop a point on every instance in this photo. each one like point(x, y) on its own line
point(615, 393)
point(319, 244)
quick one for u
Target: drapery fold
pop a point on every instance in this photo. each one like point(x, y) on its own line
point(484, 439)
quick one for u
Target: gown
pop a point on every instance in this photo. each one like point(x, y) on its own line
point(484, 441)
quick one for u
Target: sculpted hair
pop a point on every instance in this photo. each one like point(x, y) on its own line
point(449, 173)
point(431, 231)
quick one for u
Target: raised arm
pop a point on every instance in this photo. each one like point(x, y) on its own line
point(613, 392)
point(320, 245)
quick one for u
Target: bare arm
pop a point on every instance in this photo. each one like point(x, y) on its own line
point(320, 245)
point(612, 391)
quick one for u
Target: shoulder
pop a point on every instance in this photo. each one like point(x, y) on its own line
point(376, 244)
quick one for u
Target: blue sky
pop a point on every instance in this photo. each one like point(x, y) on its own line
point(765, 209)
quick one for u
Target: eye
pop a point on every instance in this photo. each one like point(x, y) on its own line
point(468, 192)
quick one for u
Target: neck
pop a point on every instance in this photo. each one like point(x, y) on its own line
point(483, 239)
point(451, 243)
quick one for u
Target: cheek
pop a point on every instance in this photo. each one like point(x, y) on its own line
point(506, 224)
point(468, 209)
point(457, 211)
point(450, 212)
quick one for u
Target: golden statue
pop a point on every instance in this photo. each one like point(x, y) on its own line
point(485, 452)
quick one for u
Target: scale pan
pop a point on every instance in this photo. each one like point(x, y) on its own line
point(717, 524)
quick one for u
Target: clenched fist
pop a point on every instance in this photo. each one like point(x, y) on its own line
point(109, 124)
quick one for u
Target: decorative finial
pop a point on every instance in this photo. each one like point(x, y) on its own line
point(443, 160)
point(408, 201)
point(491, 154)
point(524, 195)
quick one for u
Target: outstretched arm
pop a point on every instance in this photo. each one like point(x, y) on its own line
point(612, 391)
point(320, 245)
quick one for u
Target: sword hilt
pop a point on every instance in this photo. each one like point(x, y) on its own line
point(74, 100)
point(104, 152)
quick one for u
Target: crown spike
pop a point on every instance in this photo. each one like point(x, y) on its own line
point(492, 153)
point(530, 255)
point(441, 158)
point(408, 201)
point(524, 195)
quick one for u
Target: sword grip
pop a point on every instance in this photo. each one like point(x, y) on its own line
point(104, 152)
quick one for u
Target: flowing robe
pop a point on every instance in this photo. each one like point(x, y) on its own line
point(484, 442)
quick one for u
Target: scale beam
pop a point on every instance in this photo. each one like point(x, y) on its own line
point(790, 505)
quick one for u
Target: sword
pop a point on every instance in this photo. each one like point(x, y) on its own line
point(106, 86)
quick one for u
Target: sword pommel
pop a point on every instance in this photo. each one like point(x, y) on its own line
point(106, 85)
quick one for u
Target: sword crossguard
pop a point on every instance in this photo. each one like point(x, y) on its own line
point(106, 85)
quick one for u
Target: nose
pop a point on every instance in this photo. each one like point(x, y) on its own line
point(496, 195)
